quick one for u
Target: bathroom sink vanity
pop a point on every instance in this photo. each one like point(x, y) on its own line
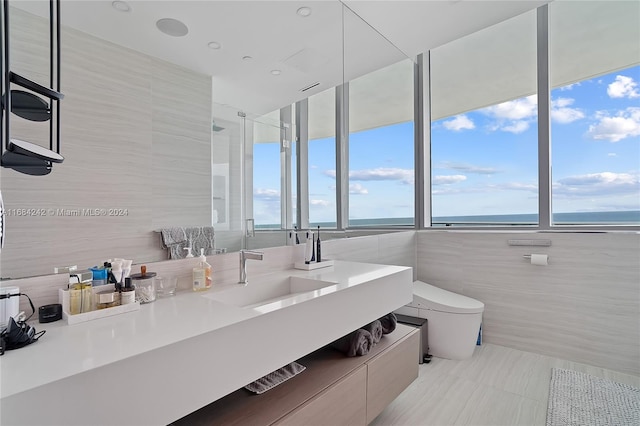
point(179, 354)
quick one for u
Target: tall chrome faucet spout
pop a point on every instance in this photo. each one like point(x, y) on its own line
point(244, 256)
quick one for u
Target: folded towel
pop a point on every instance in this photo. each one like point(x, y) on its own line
point(172, 236)
point(177, 239)
point(375, 328)
point(388, 322)
point(201, 237)
point(357, 343)
point(274, 378)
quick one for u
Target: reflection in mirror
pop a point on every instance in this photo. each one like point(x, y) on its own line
point(136, 136)
point(150, 144)
point(269, 201)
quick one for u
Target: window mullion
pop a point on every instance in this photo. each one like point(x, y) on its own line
point(302, 164)
point(422, 129)
point(285, 167)
point(544, 114)
point(342, 156)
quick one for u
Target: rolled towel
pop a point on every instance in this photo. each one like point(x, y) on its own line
point(375, 328)
point(388, 322)
point(357, 343)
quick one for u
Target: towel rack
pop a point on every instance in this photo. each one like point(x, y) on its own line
point(536, 243)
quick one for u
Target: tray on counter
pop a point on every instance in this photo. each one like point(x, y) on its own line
point(63, 297)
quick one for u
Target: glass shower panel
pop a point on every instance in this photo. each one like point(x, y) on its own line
point(227, 212)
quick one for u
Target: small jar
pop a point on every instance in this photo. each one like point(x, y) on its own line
point(127, 294)
point(107, 300)
point(145, 286)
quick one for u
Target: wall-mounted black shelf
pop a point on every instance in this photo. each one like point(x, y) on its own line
point(25, 164)
point(35, 87)
point(29, 106)
point(26, 157)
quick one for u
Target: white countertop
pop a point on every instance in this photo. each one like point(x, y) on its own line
point(65, 352)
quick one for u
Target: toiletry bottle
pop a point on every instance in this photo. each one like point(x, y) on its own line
point(308, 249)
point(127, 295)
point(318, 254)
point(202, 273)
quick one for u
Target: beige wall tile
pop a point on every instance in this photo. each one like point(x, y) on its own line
point(583, 306)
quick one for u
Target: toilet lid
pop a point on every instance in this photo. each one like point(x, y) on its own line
point(426, 296)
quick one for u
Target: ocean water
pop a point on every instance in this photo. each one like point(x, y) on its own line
point(630, 217)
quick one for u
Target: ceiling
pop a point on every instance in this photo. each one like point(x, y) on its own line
point(337, 42)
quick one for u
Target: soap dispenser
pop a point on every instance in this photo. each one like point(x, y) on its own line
point(202, 273)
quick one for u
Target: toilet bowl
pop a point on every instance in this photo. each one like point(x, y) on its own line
point(453, 320)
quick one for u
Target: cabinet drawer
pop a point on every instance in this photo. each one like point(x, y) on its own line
point(343, 403)
point(390, 372)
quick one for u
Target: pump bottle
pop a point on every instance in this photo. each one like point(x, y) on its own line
point(202, 273)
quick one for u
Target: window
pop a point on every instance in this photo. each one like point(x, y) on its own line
point(595, 116)
point(322, 159)
point(267, 206)
point(484, 138)
point(381, 147)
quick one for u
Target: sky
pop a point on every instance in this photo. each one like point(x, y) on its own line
point(484, 162)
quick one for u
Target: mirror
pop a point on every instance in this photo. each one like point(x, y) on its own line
point(150, 144)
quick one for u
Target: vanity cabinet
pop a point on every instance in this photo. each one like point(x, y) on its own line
point(343, 403)
point(334, 389)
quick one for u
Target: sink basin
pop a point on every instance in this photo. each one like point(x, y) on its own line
point(278, 290)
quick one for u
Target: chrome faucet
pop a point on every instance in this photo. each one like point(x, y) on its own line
point(244, 256)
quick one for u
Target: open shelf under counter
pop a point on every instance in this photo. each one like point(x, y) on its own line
point(353, 390)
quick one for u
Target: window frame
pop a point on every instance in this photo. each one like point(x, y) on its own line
point(422, 154)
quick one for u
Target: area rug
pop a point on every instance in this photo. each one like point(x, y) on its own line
point(581, 399)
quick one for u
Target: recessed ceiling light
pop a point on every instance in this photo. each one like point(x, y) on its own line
point(172, 27)
point(214, 45)
point(247, 58)
point(304, 11)
point(276, 72)
point(121, 6)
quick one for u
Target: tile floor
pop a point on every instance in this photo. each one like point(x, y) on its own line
point(497, 386)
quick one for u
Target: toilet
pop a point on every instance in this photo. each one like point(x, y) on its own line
point(453, 320)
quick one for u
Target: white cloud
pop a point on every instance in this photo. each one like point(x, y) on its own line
point(468, 168)
point(597, 184)
point(517, 186)
point(519, 109)
point(516, 116)
point(566, 115)
point(459, 122)
point(485, 189)
point(626, 123)
point(356, 188)
point(447, 179)
point(623, 87)
point(612, 154)
point(513, 116)
point(516, 127)
point(266, 194)
point(321, 203)
point(381, 173)
point(569, 87)
point(561, 113)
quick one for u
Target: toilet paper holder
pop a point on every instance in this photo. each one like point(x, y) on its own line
point(537, 259)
